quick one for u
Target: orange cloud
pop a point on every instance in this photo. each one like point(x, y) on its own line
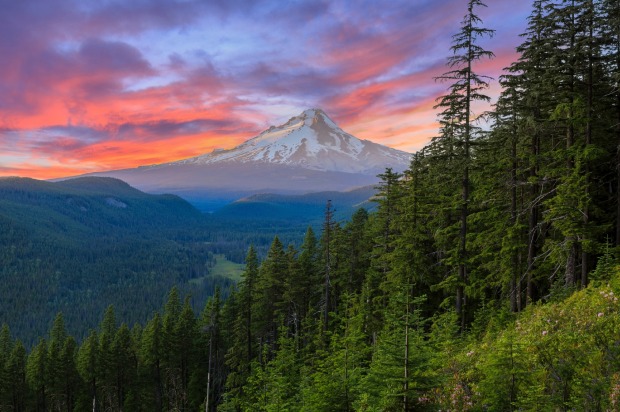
point(74, 101)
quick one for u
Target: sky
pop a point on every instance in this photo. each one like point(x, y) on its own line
point(110, 84)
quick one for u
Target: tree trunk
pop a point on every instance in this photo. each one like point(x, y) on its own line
point(589, 109)
point(571, 262)
point(460, 293)
point(328, 225)
point(515, 290)
point(406, 360)
point(618, 141)
point(532, 220)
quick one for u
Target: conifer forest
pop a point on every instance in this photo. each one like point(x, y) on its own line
point(486, 279)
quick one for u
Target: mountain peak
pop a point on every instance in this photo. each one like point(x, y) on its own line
point(314, 113)
point(313, 141)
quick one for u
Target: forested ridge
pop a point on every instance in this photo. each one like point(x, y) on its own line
point(487, 278)
point(79, 245)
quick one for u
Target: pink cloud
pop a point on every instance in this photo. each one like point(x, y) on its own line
point(73, 94)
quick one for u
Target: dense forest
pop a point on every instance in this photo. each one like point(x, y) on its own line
point(487, 278)
point(81, 244)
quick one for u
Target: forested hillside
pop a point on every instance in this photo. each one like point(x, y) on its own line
point(79, 245)
point(487, 278)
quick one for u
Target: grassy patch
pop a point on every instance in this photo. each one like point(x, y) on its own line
point(225, 268)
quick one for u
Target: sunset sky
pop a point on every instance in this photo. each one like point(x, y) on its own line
point(99, 85)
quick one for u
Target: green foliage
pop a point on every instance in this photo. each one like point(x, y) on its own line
point(80, 245)
point(469, 288)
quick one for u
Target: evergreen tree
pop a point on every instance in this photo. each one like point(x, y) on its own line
point(107, 382)
point(399, 373)
point(327, 238)
point(308, 290)
point(55, 373)
point(268, 306)
point(332, 382)
point(247, 297)
point(211, 324)
point(88, 368)
point(383, 231)
point(36, 371)
point(457, 111)
point(6, 345)
point(16, 369)
point(152, 354)
point(124, 365)
point(611, 59)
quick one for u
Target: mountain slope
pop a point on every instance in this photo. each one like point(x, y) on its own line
point(79, 245)
point(312, 141)
point(89, 204)
point(308, 208)
point(309, 153)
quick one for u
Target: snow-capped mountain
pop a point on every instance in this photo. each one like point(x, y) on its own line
point(309, 153)
point(312, 141)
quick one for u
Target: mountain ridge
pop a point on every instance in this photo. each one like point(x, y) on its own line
point(309, 153)
point(311, 140)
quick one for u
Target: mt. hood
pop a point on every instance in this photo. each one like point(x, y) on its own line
point(309, 153)
point(312, 141)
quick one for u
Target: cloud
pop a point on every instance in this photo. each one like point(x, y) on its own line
point(166, 129)
point(111, 58)
point(121, 83)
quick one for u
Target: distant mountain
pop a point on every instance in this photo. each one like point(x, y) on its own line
point(309, 153)
point(308, 208)
point(310, 141)
point(87, 206)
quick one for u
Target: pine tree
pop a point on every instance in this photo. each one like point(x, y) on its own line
point(241, 349)
point(283, 376)
point(383, 232)
point(125, 365)
point(333, 380)
point(187, 333)
point(328, 233)
point(505, 373)
point(107, 382)
point(294, 292)
point(71, 377)
point(62, 374)
point(611, 16)
point(152, 354)
point(399, 374)
point(268, 306)
point(310, 281)
point(58, 335)
point(16, 368)
point(500, 241)
point(36, 370)
point(457, 111)
point(6, 345)
point(211, 324)
point(247, 297)
point(88, 368)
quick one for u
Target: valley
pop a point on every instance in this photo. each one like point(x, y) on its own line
point(76, 246)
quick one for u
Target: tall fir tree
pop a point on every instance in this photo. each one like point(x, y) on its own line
point(457, 111)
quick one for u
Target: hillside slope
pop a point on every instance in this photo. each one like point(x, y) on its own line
point(79, 245)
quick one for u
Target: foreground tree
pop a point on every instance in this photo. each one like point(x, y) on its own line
point(457, 121)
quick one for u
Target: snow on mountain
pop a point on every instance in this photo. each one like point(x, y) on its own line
point(309, 153)
point(311, 141)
